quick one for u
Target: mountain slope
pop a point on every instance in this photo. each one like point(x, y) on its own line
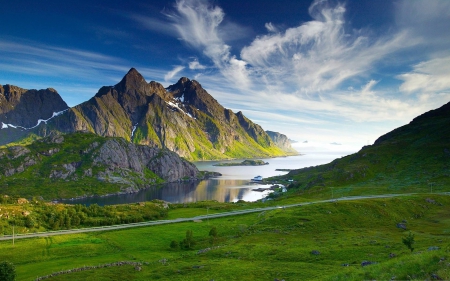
point(79, 164)
point(282, 142)
point(415, 156)
point(183, 118)
point(20, 109)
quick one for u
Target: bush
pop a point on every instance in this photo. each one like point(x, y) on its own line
point(409, 241)
point(7, 271)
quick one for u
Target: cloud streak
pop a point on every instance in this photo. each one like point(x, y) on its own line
point(197, 23)
point(173, 72)
point(429, 76)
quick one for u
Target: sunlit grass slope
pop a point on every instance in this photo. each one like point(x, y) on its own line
point(327, 241)
point(412, 158)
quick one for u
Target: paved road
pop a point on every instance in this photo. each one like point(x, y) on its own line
point(203, 217)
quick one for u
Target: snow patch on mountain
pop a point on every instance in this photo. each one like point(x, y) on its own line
point(5, 126)
point(172, 104)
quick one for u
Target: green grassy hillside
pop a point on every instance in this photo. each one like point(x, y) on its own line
point(326, 241)
point(412, 158)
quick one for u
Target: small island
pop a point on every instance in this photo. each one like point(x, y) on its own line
point(244, 163)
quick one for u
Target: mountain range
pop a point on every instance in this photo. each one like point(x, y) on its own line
point(183, 118)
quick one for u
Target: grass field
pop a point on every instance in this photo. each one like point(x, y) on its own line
point(311, 242)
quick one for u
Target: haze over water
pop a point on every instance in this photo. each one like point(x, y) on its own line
point(233, 185)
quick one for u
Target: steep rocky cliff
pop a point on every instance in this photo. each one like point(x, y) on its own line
point(25, 107)
point(90, 161)
point(282, 141)
point(183, 118)
point(22, 109)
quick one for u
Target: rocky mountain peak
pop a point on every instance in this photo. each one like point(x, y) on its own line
point(21, 107)
point(132, 80)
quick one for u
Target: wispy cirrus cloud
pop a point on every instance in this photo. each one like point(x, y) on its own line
point(197, 23)
point(320, 54)
point(173, 72)
point(77, 74)
point(432, 76)
point(195, 65)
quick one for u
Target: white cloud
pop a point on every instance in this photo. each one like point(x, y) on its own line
point(429, 77)
point(197, 23)
point(173, 72)
point(320, 54)
point(271, 27)
point(195, 65)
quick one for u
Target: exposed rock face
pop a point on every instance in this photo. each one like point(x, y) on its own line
point(119, 154)
point(77, 156)
point(282, 141)
point(24, 108)
point(20, 109)
point(183, 118)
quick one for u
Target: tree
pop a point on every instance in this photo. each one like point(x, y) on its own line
point(174, 245)
point(213, 232)
point(189, 241)
point(213, 235)
point(409, 241)
point(7, 271)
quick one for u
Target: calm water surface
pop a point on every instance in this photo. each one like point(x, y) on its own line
point(233, 185)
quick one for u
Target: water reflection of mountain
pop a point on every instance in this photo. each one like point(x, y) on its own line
point(213, 189)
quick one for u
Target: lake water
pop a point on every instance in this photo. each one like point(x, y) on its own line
point(233, 185)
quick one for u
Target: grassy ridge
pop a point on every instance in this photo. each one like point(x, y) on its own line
point(261, 246)
point(412, 158)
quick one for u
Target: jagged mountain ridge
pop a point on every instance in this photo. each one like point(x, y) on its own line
point(82, 164)
point(21, 108)
point(183, 118)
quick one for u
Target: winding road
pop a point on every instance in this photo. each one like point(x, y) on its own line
point(202, 217)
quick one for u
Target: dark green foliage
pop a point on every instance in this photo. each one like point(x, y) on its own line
point(409, 241)
point(213, 232)
point(174, 245)
point(44, 216)
point(7, 271)
point(188, 243)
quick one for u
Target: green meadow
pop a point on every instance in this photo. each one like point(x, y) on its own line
point(325, 241)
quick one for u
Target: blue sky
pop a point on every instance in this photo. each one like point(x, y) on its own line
point(333, 75)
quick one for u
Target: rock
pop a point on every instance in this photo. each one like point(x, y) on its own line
point(392, 255)
point(433, 248)
point(315, 252)
point(402, 226)
point(18, 151)
point(366, 263)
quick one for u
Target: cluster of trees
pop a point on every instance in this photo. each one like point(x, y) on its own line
point(189, 242)
point(41, 216)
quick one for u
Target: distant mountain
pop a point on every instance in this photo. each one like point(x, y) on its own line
point(415, 156)
point(83, 164)
point(20, 109)
point(282, 142)
point(183, 118)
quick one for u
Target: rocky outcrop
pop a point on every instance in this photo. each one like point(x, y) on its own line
point(86, 158)
point(282, 141)
point(122, 155)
